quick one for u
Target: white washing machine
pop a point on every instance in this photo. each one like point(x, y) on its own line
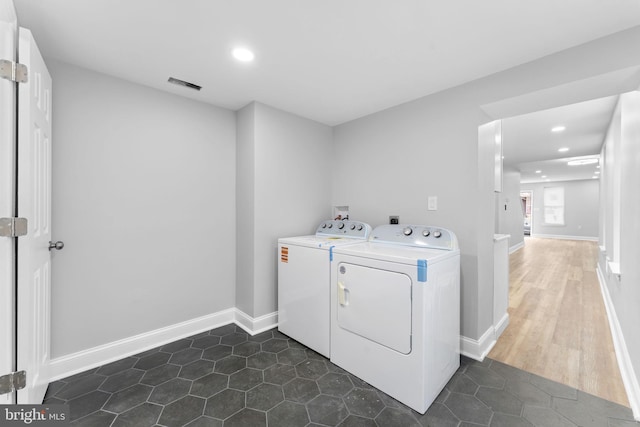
point(304, 278)
point(395, 311)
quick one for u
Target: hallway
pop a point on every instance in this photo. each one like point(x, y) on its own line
point(558, 326)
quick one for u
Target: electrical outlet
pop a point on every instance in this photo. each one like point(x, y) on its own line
point(394, 219)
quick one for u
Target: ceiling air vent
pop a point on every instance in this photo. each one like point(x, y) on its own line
point(183, 83)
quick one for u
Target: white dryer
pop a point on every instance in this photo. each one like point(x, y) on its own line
point(395, 311)
point(304, 278)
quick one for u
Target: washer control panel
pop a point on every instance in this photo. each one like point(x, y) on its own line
point(344, 228)
point(415, 235)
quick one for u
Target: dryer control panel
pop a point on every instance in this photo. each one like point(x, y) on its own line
point(346, 228)
point(423, 236)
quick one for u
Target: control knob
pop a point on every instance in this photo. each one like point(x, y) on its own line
point(407, 231)
point(426, 233)
point(341, 225)
point(359, 227)
point(352, 227)
point(437, 234)
point(330, 225)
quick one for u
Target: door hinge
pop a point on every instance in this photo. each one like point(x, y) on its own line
point(13, 71)
point(13, 381)
point(13, 227)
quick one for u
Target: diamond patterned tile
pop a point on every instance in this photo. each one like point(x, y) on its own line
point(288, 414)
point(275, 345)
point(365, 403)
point(264, 396)
point(160, 374)
point(335, 384)
point(230, 364)
point(80, 386)
point(170, 391)
point(182, 411)
point(153, 360)
point(117, 366)
point(196, 369)
point(218, 352)
point(327, 410)
point(245, 379)
point(209, 385)
point(206, 342)
point(226, 378)
point(225, 403)
point(122, 380)
point(128, 398)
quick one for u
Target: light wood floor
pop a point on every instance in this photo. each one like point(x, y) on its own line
point(558, 326)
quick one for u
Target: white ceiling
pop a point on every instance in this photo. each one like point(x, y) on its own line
point(530, 146)
point(333, 60)
point(330, 60)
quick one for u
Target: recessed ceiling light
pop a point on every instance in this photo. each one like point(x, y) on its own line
point(598, 166)
point(243, 54)
point(597, 172)
point(563, 149)
point(582, 162)
point(595, 177)
point(543, 176)
point(558, 128)
point(538, 171)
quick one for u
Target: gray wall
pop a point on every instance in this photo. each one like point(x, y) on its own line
point(143, 197)
point(620, 227)
point(130, 160)
point(581, 205)
point(391, 161)
point(510, 220)
point(245, 209)
point(284, 164)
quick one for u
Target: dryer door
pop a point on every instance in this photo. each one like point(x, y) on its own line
point(375, 304)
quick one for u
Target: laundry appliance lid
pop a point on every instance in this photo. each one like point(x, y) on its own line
point(396, 253)
point(320, 242)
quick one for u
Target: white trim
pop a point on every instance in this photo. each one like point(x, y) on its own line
point(257, 325)
point(501, 326)
point(629, 378)
point(478, 349)
point(515, 247)
point(62, 367)
point(563, 237)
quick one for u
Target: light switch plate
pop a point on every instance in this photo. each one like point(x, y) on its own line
point(433, 203)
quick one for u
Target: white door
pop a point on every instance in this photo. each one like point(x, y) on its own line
point(34, 203)
point(8, 39)
point(375, 304)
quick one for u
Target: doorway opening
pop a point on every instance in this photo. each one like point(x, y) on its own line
point(537, 295)
point(526, 198)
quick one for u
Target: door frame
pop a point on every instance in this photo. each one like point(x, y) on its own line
point(8, 149)
point(524, 213)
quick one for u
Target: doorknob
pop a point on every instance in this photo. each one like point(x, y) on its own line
point(57, 245)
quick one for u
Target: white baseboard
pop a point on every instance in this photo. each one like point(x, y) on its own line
point(257, 325)
point(478, 349)
point(62, 367)
point(501, 326)
point(563, 237)
point(629, 378)
point(515, 247)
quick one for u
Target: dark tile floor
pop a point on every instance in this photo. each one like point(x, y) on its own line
point(226, 377)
